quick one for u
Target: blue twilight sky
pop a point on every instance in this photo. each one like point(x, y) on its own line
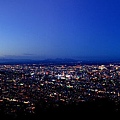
point(60, 29)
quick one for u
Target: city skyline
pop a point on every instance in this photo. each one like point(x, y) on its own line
point(33, 29)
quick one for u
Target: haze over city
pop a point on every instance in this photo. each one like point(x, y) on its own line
point(40, 29)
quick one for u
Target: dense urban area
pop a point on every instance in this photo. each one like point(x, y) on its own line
point(32, 89)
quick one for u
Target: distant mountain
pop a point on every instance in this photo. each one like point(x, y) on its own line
point(57, 61)
point(30, 61)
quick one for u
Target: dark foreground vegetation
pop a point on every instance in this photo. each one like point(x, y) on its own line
point(91, 109)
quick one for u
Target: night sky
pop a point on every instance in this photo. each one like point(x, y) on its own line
point(40, 29)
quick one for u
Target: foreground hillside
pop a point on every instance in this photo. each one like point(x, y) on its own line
point(100, 107)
